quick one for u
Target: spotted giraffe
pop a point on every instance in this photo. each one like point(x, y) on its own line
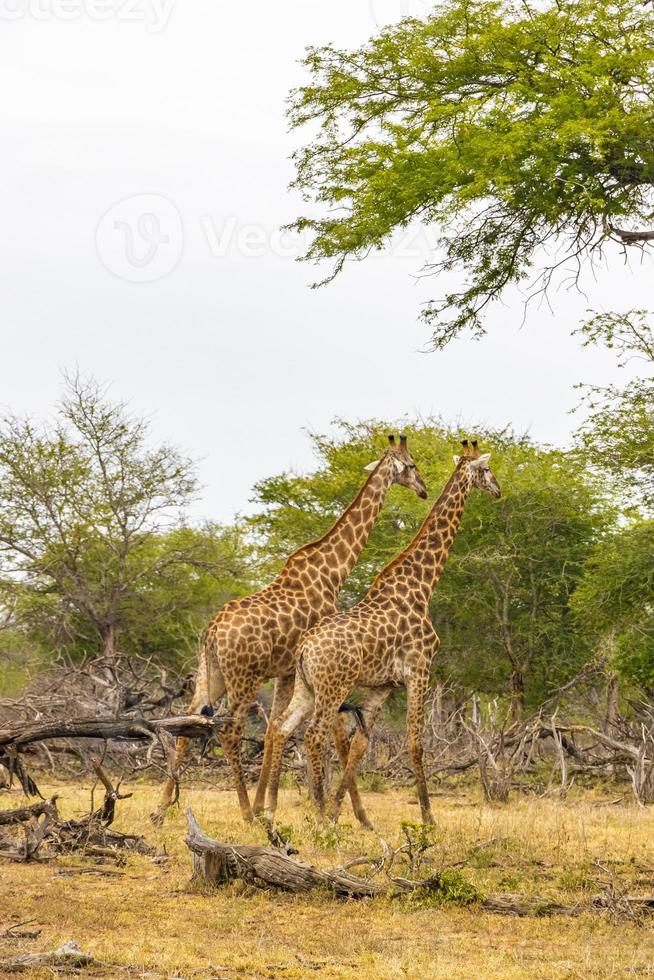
point(385, 641)
point(253, 639)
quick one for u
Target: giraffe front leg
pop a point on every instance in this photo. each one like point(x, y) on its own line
point(416, 694)
point(281, 699)
point(209, 688)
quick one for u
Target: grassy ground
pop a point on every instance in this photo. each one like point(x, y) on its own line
point(149, 915)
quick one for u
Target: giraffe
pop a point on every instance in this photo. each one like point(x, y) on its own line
point(385, 641)
point(252, 639)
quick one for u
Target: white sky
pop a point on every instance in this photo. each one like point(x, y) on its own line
point(229, 351)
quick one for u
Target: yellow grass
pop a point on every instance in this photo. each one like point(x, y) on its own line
point(152, 917)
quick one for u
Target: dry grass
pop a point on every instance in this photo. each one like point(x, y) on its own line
point(150, 916)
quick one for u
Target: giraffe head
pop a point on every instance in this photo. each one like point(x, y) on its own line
point(477, 463)
point(405, 471)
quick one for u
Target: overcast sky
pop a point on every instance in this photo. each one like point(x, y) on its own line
point(146, 169)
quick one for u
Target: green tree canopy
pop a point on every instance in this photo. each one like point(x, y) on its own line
point(504, 613)
point(94, 550)
point(616, 599)
point(521, 131)
point(618, 434)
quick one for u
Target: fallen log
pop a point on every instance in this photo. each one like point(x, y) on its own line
point(20, 733)
point(216, 862)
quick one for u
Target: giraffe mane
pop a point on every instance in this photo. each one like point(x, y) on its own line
point(404, 554)
point(343, 515)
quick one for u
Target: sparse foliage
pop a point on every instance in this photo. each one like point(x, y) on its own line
point(93, 546)
point(520, 131)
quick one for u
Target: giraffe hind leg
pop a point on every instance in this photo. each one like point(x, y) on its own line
point(281, 700)
point(372, 705)
point(342, 743)
point(316, 739)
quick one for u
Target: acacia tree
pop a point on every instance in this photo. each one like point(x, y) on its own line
point(509, 126)
point(93, 550)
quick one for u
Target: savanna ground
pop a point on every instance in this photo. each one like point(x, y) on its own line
point(150, 916)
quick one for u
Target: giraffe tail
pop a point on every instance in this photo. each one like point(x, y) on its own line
point(356, 711)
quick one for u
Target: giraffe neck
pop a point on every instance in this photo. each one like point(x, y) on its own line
point(341, 546)
point(422, 562)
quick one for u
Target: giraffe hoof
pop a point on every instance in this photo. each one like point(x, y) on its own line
point(157, 816)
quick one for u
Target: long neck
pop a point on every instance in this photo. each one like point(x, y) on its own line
point(422, 563)
point(341, 546)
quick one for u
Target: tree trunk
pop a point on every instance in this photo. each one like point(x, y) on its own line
point(517, 694)
point(611, 724)
point(108, 635)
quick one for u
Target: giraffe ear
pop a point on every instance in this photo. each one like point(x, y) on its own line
point(476, 463)
point(457, 460)
point(370, 466)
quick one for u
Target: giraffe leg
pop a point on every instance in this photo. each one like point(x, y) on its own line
point(281, 700)
point(282, 728)
point(316, 739)
point(230, 739)
point(342, 742)
point(209, 688)
point(416, 693)
point(372, 705)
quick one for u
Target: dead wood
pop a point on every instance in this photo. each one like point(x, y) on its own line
point(45, 835)
point(130, 687)
point(68, 956)
point(24, 813)
point(21, 733)
point(34, 833)
point(10, 761)
point(16, 931)
point(217, 863)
